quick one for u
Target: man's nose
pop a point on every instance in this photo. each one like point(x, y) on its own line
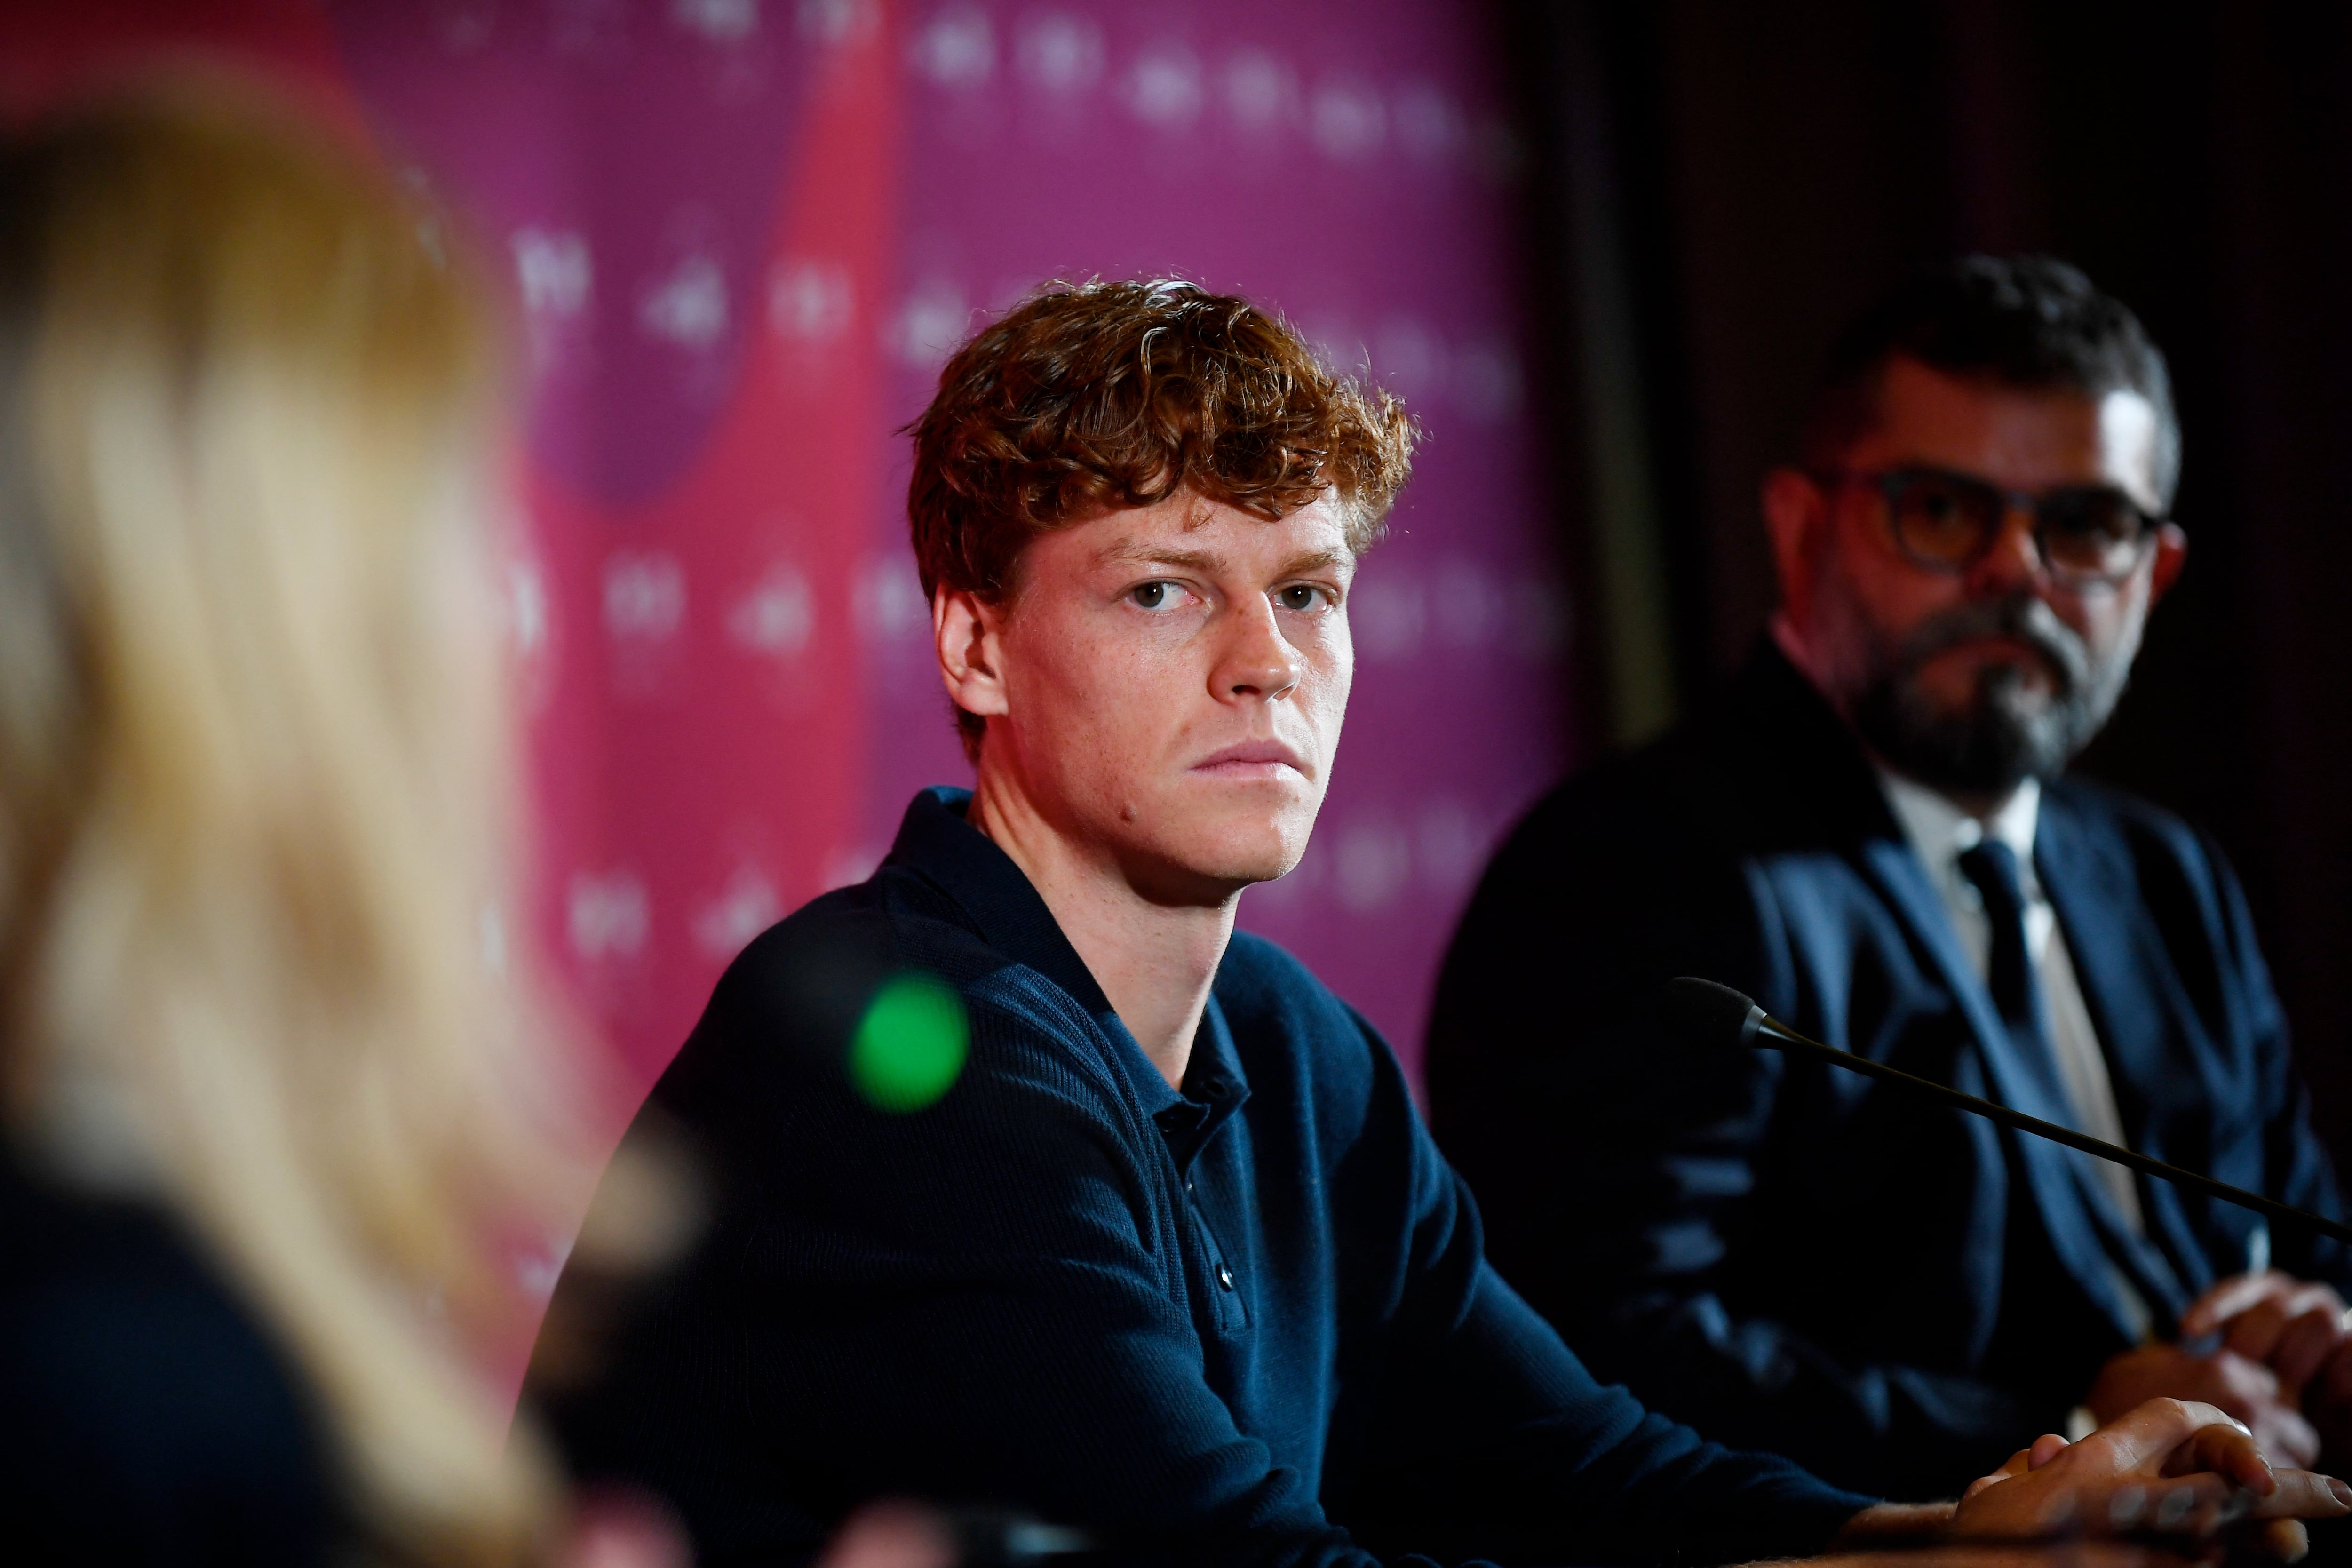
point(1257, 660)
point(2015, 557)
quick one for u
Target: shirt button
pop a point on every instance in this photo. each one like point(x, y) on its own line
point(1224, 1277)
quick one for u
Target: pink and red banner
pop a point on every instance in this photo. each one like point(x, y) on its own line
point(744, 234)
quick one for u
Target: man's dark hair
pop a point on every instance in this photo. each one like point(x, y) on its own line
point(2024, 322)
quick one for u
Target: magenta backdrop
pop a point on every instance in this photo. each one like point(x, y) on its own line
point(744, 236)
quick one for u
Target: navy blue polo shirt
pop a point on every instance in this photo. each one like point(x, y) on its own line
point(1245, 1320)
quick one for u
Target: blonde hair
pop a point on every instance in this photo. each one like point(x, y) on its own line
point(254, 803)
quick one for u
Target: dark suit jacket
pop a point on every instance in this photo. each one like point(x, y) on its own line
point(1790, 1257)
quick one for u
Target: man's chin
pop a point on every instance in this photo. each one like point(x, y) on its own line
point(1230, 855)
point(1957, 686)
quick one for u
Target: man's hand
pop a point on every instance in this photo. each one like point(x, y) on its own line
point(2239, 1386)
point(2289, 1325)
point(2170, 1466)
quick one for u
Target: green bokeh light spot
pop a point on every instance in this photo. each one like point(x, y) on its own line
point(910, 1046)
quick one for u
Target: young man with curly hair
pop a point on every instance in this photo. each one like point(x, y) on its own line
point(1173, 1260)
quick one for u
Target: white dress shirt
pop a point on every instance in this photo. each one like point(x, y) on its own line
point(1940, 833)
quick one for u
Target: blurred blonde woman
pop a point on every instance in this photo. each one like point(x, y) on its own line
point(272, 1109)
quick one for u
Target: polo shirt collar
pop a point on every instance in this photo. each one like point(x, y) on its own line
point(936, 842)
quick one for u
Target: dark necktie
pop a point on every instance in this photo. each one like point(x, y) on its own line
point(2015, 982)
point(2012, 976)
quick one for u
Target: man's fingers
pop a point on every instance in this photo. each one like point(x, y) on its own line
point(2226, 1300)
point(2307, 1341)
point(2287, 1440)
point(2255, 1333)
point(2149, 1435)
point(2302, 1494)
point(2016, 1465)
point(2225, 1450)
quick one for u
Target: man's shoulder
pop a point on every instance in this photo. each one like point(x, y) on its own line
point(2117, 822)
point(2135, 844)
point(788, 1008)
point(1761, 766)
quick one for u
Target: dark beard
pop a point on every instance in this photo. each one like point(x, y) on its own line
point(2004, 735)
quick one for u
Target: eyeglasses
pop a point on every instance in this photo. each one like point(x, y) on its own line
point(1948, 523)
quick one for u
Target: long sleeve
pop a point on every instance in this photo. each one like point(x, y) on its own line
point(2297, 1167)
point(1620, 1166)
point(1498, 1441)
point(995, 1302)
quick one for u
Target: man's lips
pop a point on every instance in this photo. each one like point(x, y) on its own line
point(1997, 645)
point(1251, 759)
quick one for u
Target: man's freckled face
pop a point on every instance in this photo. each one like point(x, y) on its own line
point(1175, 678)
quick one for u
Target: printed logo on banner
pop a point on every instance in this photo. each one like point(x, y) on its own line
point(1164, 90)
point(1429, 125)
point(607, 916)
point(747, 906)
point(810, 302)
point(1058, 54)
point(773, 620)
point(1451, 847)
point(776, 615)
point(644, 607)
point(555, 277)
point(687, 305)
point(526, 624)
point(1466, 603)
point(1261, 93)
point(1411, 360)
point(1373, 866)
point(956, 48)
point(1346, 118)
point(720, 21)
point(931, 324)
point(1388, 613)
point(890, 608)
point(836, 24)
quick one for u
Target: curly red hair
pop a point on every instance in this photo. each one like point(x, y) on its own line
point(1093, 397)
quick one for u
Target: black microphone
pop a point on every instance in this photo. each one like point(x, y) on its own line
point(1718, 1015)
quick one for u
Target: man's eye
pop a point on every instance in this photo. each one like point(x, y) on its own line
point(1150, 596)
point(1299, 596)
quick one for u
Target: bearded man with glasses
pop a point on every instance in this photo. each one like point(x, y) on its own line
point(1872, 834)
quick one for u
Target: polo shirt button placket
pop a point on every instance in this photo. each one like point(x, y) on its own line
point(1224, 1277)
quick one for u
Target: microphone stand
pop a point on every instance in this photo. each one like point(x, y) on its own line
point(1706, 1012)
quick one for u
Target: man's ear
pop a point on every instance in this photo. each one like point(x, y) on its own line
point(968, 634)
point(2171, 555)
point(1796, 518)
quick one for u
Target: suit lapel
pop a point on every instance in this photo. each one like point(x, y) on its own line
point(2098, 905)
point(2059, 1195)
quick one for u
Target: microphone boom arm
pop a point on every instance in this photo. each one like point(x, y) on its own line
point(1760, 1029)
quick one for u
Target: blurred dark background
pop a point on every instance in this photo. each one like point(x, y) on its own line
point(1720, 186)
